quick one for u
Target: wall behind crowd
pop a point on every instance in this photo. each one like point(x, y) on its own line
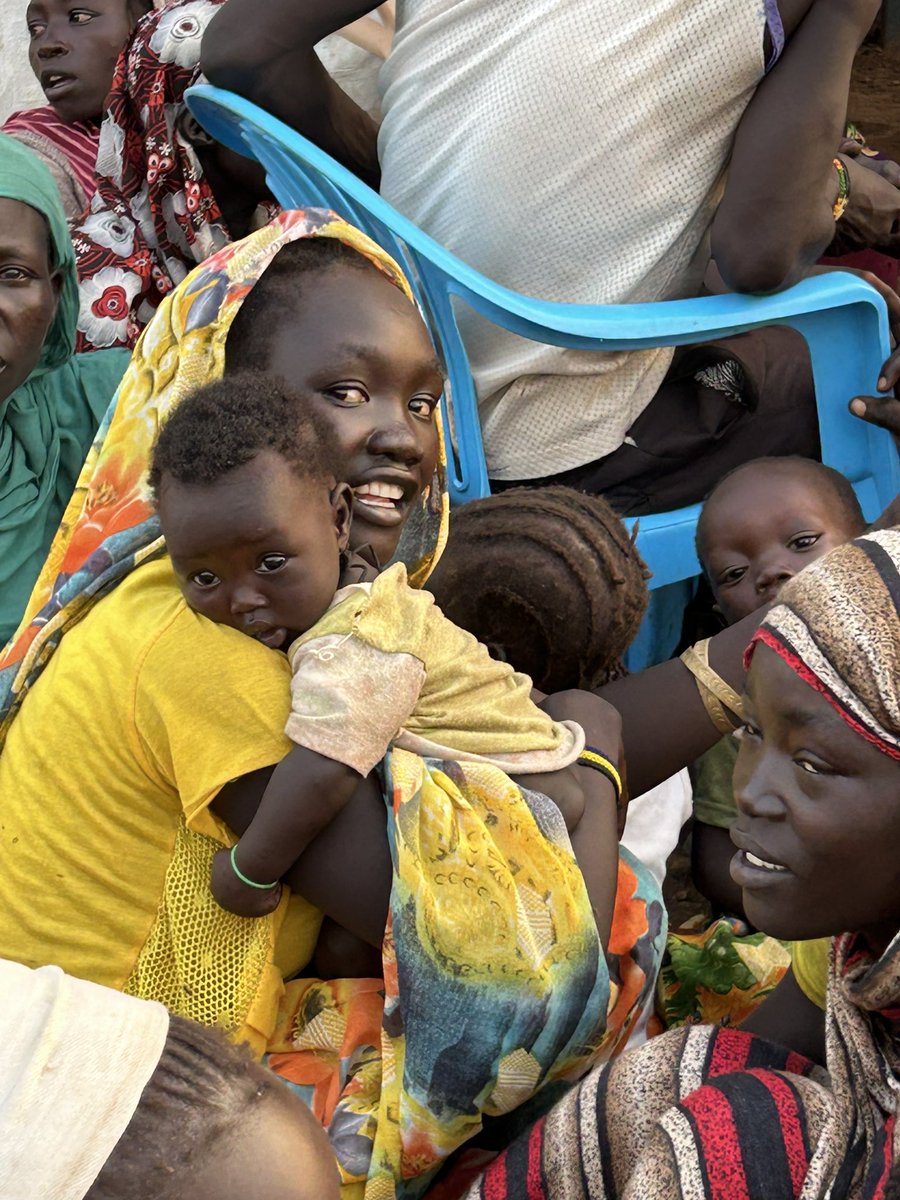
point(18, 87)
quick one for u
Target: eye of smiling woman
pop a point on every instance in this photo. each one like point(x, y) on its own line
point(353, 395)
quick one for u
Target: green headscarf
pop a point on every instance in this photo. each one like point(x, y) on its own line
point(47, 424)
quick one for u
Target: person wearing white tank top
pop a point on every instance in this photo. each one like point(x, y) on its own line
point(585, 150)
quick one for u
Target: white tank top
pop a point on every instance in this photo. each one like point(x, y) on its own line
point(573, 150)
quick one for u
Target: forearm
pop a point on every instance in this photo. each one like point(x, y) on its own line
point(346, 872)
point(304, 794)
point(263, 49)
point(775, 218)
point(665, 726)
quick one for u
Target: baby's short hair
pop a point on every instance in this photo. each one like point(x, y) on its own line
point(201, 1091)
point(548, 579)
point(224, 425)
point(823, 476)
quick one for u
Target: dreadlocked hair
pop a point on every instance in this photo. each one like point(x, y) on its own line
point(226, 424)
point(549, 580)
point(203, 1088)
point(274, 298)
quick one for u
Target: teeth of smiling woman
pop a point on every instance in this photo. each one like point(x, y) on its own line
point(385, 495)
point(759, 862)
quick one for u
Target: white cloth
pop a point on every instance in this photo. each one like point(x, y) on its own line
point(74, 1060)
point(653, 827)
point(654, 821)
point(573, 150)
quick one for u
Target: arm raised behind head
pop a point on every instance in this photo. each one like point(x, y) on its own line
point(263, 49)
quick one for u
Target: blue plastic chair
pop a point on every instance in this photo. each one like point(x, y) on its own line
point(842, 318)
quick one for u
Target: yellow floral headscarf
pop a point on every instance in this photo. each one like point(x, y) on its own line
point(110, 526)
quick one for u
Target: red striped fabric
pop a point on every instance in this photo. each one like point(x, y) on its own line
point(793, 1124)
point(78, 142)
point(719, 1144)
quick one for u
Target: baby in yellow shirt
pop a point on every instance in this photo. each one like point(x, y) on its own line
point(257, 532)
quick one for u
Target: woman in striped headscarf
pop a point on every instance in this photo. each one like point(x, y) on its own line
point(707, 1112)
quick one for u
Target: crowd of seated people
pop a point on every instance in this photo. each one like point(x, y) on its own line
point(333, 830)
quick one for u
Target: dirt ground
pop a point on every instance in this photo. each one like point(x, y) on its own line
point(875, 108)
point(875, 97)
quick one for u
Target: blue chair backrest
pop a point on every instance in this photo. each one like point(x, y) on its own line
point(843, 319)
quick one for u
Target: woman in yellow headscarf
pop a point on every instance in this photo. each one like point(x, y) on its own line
point(130, 726)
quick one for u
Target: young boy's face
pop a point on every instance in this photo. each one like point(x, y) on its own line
point(258, 549)
point(73, 50)
point(764, 525)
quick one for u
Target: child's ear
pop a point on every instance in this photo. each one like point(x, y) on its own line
point(342, 512)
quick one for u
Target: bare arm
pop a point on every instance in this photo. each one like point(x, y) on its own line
point(263, 49)
point(346, 870)
point(595, 836)
point(711, 853)
point(775, 218)
point(664, 724)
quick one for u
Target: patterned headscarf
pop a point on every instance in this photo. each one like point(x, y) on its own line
point(837, 626)
point(153, 216)
point(110, 526)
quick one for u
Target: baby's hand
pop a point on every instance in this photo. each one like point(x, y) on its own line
point(238, 897)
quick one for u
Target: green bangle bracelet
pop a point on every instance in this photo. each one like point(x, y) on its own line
point(263, 887)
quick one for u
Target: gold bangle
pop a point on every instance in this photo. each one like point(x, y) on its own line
point(716, 694)
point(843, 196)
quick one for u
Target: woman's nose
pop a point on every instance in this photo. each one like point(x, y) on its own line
point(756, 791)
point(396, 441)
point(51, 43)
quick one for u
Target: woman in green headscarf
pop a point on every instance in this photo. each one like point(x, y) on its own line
point(51, 400)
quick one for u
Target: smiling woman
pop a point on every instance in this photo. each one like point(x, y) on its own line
point(50, 399)
point(186, 726)
point(718, 1112)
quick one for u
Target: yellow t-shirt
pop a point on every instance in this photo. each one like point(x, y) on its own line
point(141, 716)
point(809, 962)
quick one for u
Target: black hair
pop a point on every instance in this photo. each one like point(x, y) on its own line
point(273, 300)
point(202, 1090)
point(830, 480)
point(548, 579)
point(226, 424)
point(137, 9)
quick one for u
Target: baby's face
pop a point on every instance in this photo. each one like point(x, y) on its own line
point(761, 528)
point(259, 549)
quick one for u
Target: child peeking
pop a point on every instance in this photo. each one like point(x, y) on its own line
point(257, 530)
point(760, 525)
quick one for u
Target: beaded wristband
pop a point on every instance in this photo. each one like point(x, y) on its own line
point(591, 757)
point(843, 196)
point(263, 887)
